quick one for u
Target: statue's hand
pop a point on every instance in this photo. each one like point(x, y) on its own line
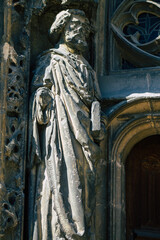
point(99, 122)
point(44, 100)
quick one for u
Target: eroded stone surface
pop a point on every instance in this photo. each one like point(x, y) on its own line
point(63, 152)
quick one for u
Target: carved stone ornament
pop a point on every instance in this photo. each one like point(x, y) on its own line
point(136, 28)
point(8, 218)
point(64, 137)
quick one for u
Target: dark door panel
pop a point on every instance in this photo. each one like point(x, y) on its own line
point(143, 189)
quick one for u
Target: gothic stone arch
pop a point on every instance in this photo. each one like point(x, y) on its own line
point(129, 122)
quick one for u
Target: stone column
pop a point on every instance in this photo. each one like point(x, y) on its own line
point(13, 117)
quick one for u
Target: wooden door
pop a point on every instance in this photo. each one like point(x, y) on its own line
point(143, 190)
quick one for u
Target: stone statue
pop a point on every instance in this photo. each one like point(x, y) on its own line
point(64, 135)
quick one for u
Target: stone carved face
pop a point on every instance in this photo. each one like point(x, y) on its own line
point(76, 33)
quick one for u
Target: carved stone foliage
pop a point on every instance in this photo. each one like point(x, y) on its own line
point(14, 94)
point(11, 195)
point(8, 216)
point(136, 28)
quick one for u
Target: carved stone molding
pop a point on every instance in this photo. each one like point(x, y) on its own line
point(128, 123)
point(136, 26)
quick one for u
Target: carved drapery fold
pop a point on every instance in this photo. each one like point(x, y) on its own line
point(64, 147)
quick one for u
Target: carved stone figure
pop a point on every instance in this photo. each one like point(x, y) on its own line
point(63, 145)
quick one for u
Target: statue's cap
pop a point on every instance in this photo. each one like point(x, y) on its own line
point(62, 18)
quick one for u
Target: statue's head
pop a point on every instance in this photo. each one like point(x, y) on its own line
point(72, 28)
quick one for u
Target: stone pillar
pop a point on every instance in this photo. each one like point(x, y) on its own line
point(13, 118)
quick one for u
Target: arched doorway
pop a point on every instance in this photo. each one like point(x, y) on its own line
point(129, 124)
point(142, 169)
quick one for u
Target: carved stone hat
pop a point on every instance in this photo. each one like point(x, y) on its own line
point(61, 21)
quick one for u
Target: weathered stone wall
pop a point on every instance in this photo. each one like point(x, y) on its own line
point(14, 114)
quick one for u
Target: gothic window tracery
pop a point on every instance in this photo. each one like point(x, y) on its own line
point(136, 29)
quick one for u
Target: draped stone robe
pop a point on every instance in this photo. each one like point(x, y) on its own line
point(62, 152)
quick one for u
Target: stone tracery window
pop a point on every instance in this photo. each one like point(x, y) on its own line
point(131, 44)
point(136, 28)
point(147, 30)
